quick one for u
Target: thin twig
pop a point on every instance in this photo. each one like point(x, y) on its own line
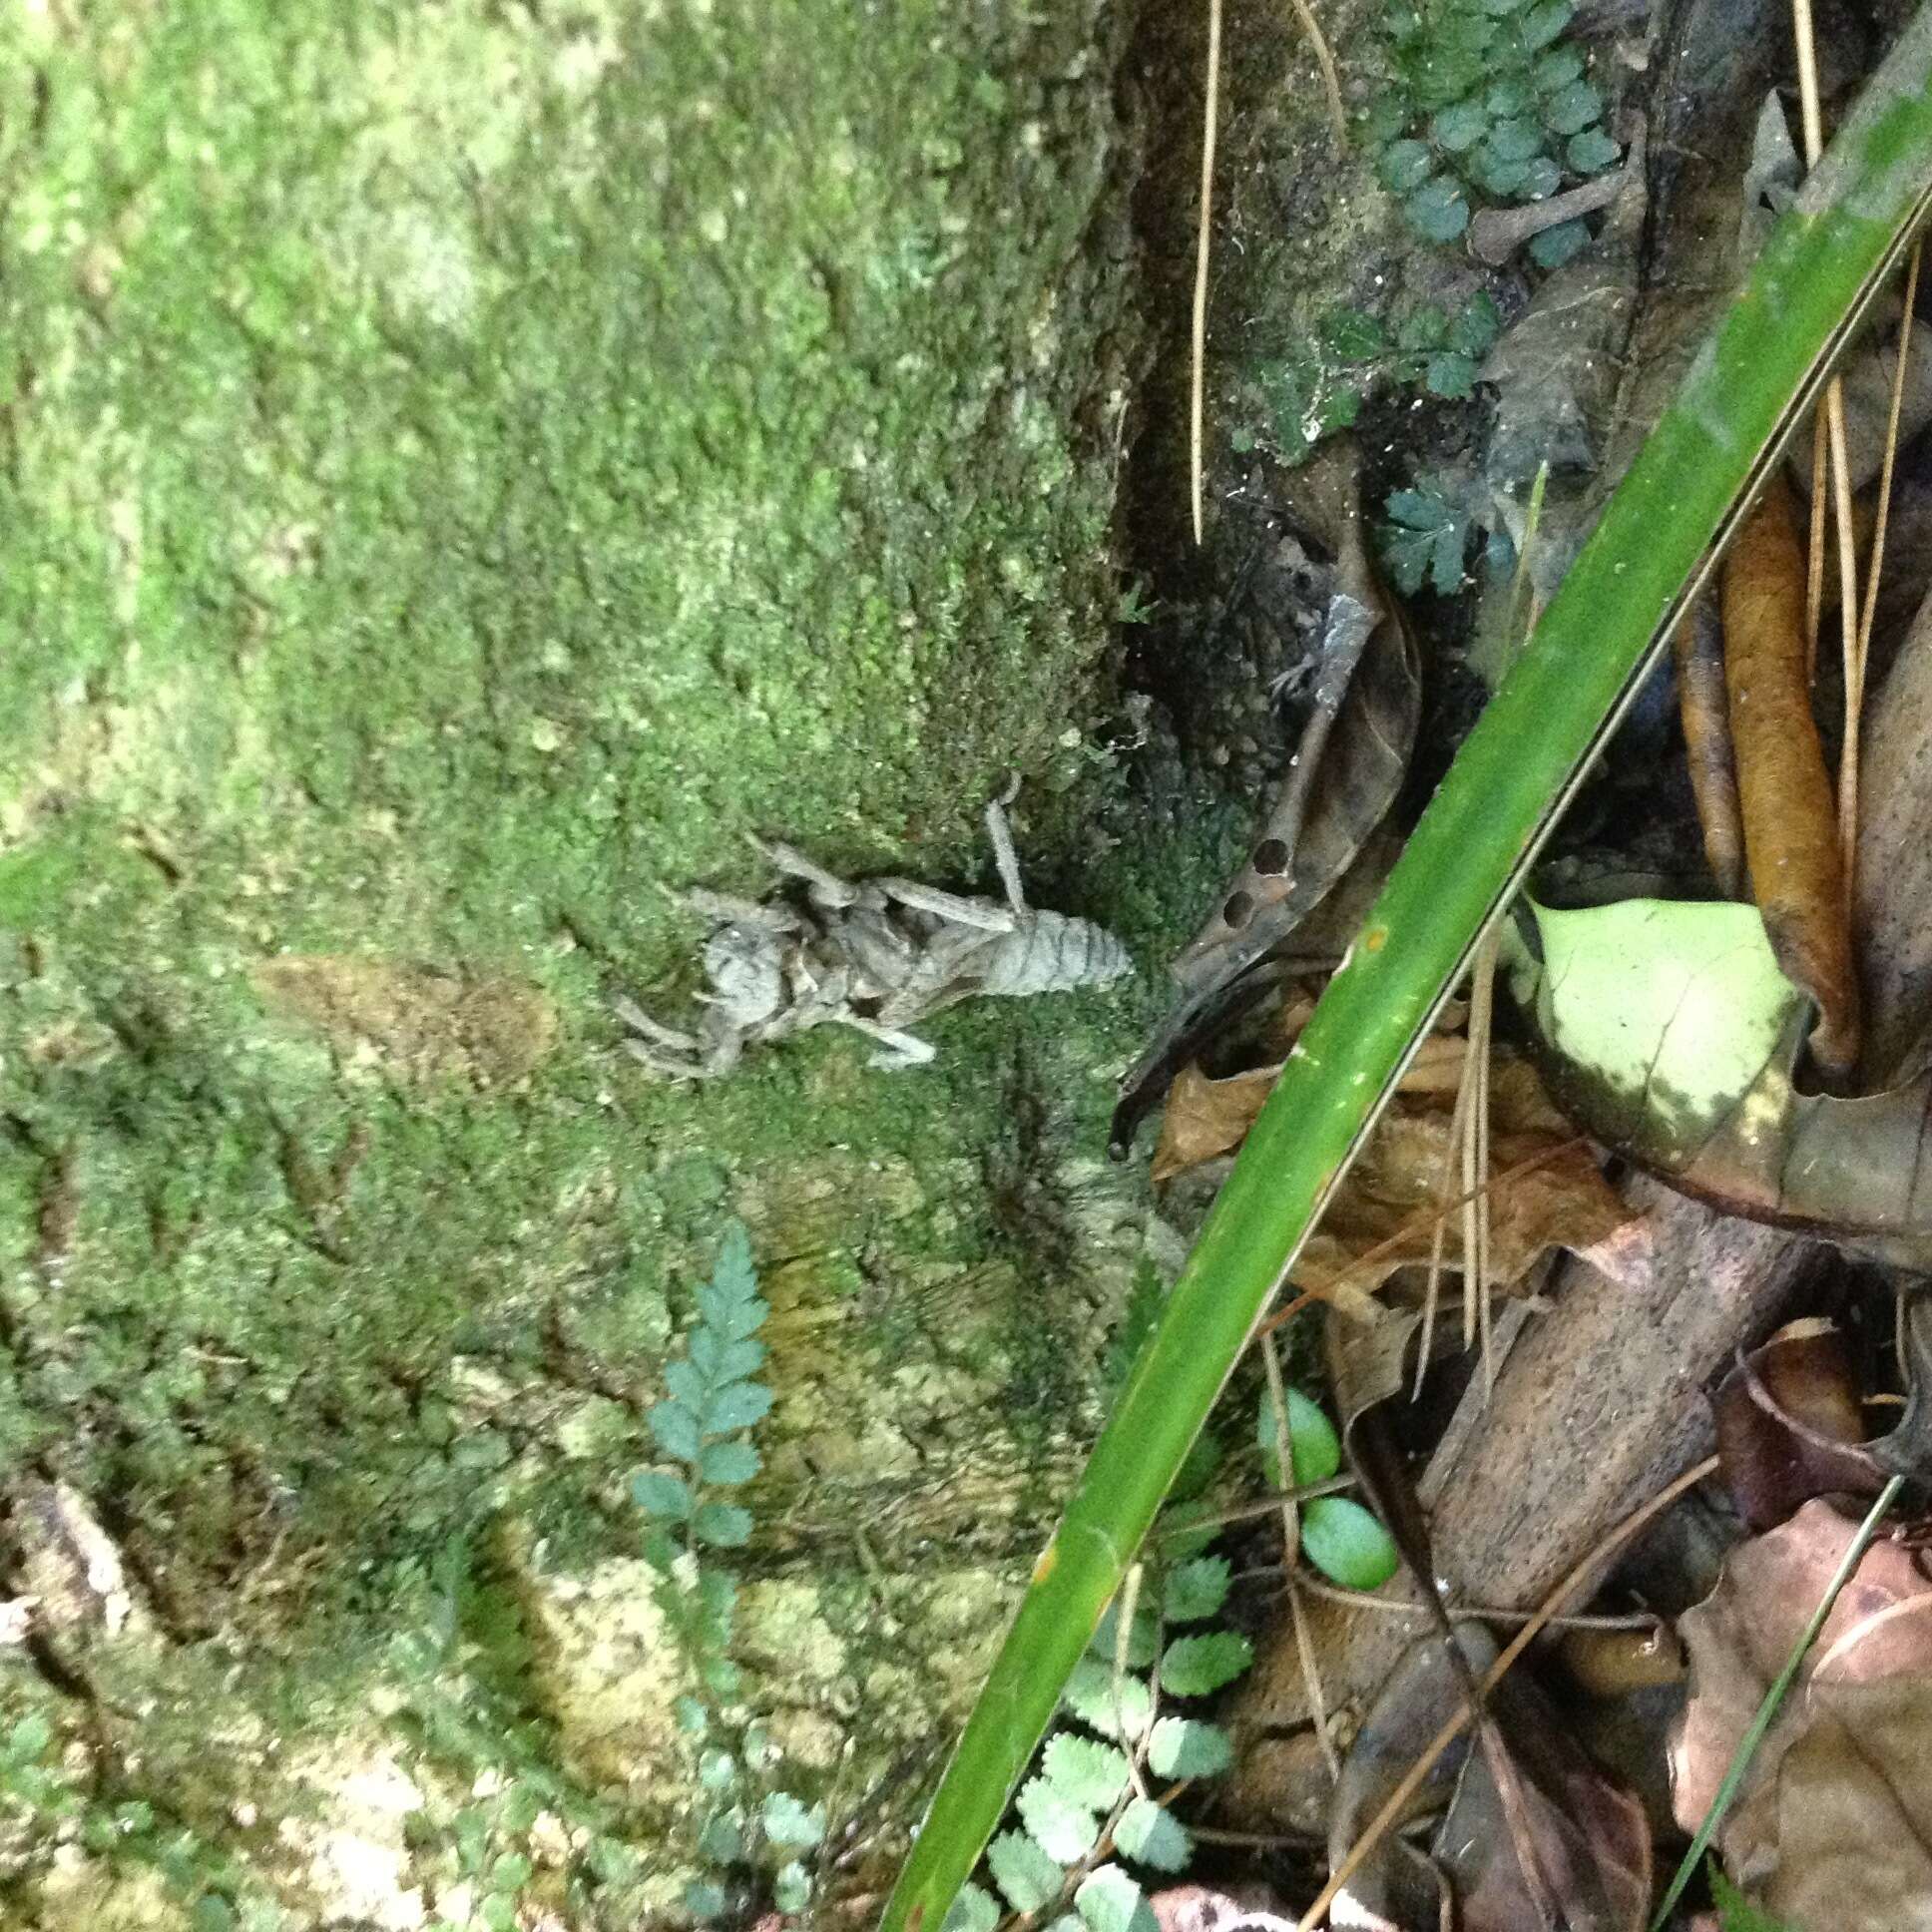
point(1814, 551)
point(1619, 1620)
point(1197, 404)
point(1330, 80)
point(1397, 1802)
point(1122, 1643)
point(1857, 659)
point(1290, 1552)
point(1264, 1506)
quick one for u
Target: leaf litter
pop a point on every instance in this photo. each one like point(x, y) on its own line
point(1635, 1338)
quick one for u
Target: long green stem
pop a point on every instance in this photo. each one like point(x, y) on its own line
point(1526, 755)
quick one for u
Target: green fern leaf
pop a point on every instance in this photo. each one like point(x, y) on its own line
point(725, 1525)
point(1025, 1876)
point(1196, 1589)
point(675, 1426)
point(1110, 1708)
point(728, 1463)
point(973, 1910)
point(1090, 1773)
point(687, 1385)
point(1143, 1636)
point(1186, 1748)
point(659, 1494)
point(1064, 1830)
point(793, 1824)
point(1109, 1901)
point(1192, 1667)
point(1153, 1837)
point(737, 1406)
point(705, 1900)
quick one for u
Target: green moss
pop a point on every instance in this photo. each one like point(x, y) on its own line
point(464, 467)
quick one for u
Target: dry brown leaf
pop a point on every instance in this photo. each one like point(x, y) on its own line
point(1590, 1835)
point(1789, 1426)
point(1894, 882)
point(1854, 1813)
point(1790, 813)
point(1419, 1695)
point(1208, 1118)
point(1740, 1637)
point(1545, 1187)
point(1322, 823)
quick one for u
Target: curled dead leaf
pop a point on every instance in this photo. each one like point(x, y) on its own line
point(1789, 1426)
point(1789, 812)
point(1699, 643)
point(1739, 1637)
point(1587, 1833)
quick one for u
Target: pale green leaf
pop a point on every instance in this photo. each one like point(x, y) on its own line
point(1556, 246)
point(1109, 1901)
point(1345, 1542)
point(1113, 1708)
point(1670, 1010)
point(1437, 211)
point(1143, 1636)
point(1404, 165)
point(1313, 1446)
point(1084, 1770)
point(973, 1910)
point(1152, 1836)
point(728, 1463)
point(1197, 1589)
point(724, 1525)
point(1028, 1879)
point(1192, 1667)
point(1060, 1828)
point(792, 1824)
point(658, 1493)
point(674, 1425)
point(1188, 1747)
point(737, 1406)
point(705, 1899)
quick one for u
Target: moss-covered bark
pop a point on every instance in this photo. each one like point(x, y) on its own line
point(462, 466)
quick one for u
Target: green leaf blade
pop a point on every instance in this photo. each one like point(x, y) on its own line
point(1196, 1666)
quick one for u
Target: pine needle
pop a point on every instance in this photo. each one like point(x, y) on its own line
point(1857, 659)
point(1196, 401)
point(1834, 413)
point(1330, 80)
